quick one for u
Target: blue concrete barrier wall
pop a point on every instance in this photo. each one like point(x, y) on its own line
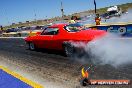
point(122, 29)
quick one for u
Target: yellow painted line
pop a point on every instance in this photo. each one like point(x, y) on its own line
point(29, 82)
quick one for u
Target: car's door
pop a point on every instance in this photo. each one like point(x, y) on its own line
point(46, 37)
point(57, 39)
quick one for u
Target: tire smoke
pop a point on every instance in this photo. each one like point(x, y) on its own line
point(111, 49)
point(126, 17)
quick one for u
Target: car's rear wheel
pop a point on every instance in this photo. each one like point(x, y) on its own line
point(31, 46)
point(69, 50)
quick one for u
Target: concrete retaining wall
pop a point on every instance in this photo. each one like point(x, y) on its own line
point(124, 29)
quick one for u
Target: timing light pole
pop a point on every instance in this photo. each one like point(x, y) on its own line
point(95, 6)
point(62, 10)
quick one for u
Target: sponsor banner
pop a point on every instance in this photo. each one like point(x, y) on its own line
point(123, 30)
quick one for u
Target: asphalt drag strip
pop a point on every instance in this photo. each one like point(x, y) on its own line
point(52, 69)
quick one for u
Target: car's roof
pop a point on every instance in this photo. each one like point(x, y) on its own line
point(56, 25)
point(64, 24)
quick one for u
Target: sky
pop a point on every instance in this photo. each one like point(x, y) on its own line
point(13, 11)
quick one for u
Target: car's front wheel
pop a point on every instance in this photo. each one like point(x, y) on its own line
point(31, 46)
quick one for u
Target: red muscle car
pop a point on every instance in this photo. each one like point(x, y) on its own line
point(59, 37)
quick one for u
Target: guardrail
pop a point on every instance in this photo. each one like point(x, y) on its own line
point(12, 34)
point(18, 34)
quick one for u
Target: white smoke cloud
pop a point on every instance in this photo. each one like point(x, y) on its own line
point(111, 49)
point(126, 17)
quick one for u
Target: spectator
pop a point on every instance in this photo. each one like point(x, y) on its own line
point(97, 19)
point(1, 29)
point(73, 19)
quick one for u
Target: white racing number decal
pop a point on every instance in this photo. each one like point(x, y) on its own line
point(110, 29)
point(122, 30)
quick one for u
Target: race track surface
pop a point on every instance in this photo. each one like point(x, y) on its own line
point(52, 69)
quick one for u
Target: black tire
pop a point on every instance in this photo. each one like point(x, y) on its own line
point(31, 46)
point(69, 49)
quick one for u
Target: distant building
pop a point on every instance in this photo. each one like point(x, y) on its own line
point(13, 23)
point(27, 21)
point(20, 22)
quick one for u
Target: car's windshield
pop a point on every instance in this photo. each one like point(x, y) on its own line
point(74, 27)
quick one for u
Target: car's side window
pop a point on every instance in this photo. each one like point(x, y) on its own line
point(50, 31)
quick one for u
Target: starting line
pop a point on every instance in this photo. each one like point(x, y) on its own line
point(9, 79)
